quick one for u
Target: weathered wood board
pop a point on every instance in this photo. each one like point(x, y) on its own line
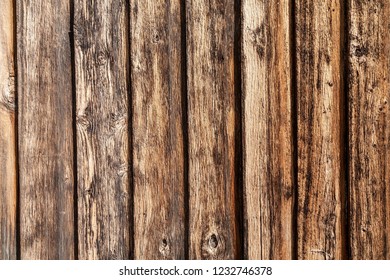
point(320, 125)
point(267, 129)
point(369, 130)
point(8, 169)
point(44, 86)
point(211, 129)
point(102, 126)
point(158, 154)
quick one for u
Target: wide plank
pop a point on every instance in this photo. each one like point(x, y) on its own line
point(45, 130)
point(369, 129)
point(211, 129)
point(102, 124)
point(158, 155)
point(7, 133)
point(320, 113)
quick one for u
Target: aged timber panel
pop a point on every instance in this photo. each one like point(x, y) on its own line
point(320, 96)
point(158, 155)
point(369, 115)
point(7, 133)
point(212, 129)
point(102, 74)
point(45, 130)
point(267, 133)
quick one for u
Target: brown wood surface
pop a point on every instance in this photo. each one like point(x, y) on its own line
point(267, 129)
point(102, 74)
point(158, 155)
point(7, 133)
point(212, 129)
point(45, 130)
point(369, 130)
point(200, 129)
point(320, 96)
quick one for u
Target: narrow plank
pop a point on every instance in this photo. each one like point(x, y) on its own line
point(45, 130)
point(158, 155)
point(369, 95)
point(267, 126)
point(212, 129)
point(101, 74)
point(7, 133)
point(320, 97)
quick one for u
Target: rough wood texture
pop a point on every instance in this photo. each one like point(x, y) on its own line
point(7, 134)
point(369, 95)
point(212, 131)
point(158, 155)
point(268, 145)
point(252, 128)
point(45, 130)
point(320, 144)
point(101, 68)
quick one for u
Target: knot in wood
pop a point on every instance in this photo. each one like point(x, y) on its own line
point(102, 58)
point(7, 97)
point(156, 37)
point(361, 51)
point(258, 38)
point(213, 241)
point(212, 245)
point(164, 247)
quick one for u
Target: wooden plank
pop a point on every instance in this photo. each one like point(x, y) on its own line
point(158, 155)
point(212, 129)
point(369, 95)
point(101, 69)
point(267, 122)
point(321, 179)
point(45, 130)
point(7, 133)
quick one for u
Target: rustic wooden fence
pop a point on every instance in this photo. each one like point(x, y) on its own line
point(172, 129)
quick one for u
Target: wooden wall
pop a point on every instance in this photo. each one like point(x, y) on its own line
point(194, 129)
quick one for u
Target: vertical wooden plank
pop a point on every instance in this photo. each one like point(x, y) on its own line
point(319, 109)
point(369, 95)
point(45, 130)
point(268, 153)
point(101, 69)
point(212, 131)
point(158, 155)
point(7, 133)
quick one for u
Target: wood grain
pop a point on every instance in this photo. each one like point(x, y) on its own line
point(158, 155)
point(369, 95)
point(321, 179)
point(45, 130)
point(212, 129)
point(267, 122)
point(102, 74)
point(7, 134)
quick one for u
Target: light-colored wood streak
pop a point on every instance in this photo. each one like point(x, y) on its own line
point(7, 134)
point(369, 129)
point(320, 95)
point(101, 75)
point(212, 129)
point(267, 129)
point(45, 129)
point(158, 155)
